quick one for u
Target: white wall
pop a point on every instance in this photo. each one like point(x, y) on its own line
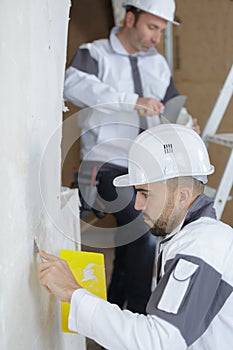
point(33, 38)
point(118, 11)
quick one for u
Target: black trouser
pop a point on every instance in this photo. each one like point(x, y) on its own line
point(131, 280)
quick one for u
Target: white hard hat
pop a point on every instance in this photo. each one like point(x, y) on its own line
point(164, 152)
point(161, 8)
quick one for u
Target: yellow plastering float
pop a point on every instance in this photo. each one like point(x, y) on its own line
point(89, 271)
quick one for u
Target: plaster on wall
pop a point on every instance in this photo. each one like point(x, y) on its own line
point(118, 11)
point(33, 52)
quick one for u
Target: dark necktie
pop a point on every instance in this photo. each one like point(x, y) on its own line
point(137, 87)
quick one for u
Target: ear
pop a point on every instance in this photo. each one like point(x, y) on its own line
point(185, 197)
point(129, 19)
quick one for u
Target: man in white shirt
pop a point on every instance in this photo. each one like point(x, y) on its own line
point(192, 304)
point(122, 83)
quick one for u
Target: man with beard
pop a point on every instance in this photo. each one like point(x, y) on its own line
point(192, 303)
point(122, 84)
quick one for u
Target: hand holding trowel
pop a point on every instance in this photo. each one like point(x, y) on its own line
point(172, 109)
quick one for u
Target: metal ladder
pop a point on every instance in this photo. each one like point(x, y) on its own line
point(221, 194)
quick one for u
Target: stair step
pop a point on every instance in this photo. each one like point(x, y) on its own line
point(221, 139)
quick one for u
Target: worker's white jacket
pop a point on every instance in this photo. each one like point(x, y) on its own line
point(191, 306)
point(100, 77)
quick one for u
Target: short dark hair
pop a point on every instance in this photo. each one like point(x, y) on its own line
point(196, 185)
point(136, 11)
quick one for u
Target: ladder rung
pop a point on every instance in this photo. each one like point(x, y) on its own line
point(210, 192)
point(221, 139)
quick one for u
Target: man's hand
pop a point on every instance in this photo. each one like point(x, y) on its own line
point(148, 107)
point(56, 277)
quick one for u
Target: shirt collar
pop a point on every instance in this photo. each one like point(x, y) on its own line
point(172, 234)
point(201, 207)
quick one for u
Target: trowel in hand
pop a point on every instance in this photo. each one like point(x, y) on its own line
point(172, 109)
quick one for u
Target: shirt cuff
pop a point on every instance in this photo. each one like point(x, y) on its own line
point(130, 100)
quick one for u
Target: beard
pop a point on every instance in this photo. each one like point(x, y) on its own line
point(158, 231)
point(167, 221)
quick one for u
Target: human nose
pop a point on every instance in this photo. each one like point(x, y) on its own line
point(156, 37)
point(140, 203)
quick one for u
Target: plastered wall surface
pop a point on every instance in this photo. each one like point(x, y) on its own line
point(33, 52)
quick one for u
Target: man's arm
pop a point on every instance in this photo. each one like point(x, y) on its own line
point(102, 321)
point(84, 88)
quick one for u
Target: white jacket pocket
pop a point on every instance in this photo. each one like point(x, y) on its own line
point(177, 286)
